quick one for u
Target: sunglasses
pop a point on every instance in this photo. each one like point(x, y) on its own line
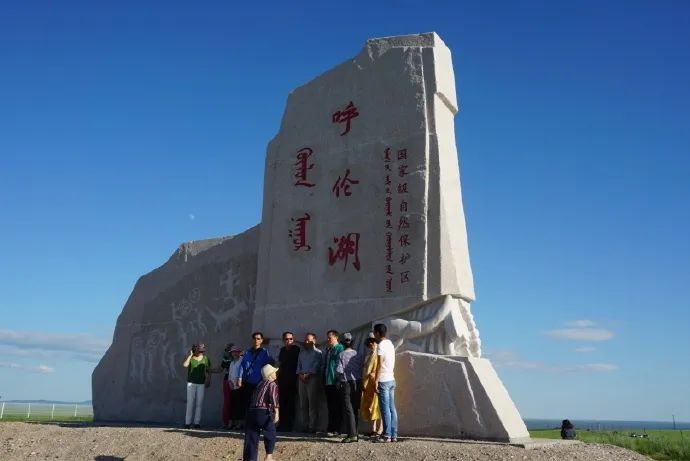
point(288, 339)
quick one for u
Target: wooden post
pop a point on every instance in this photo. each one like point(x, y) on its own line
point(2, 411)
point(28, 413)
point(52, 412)
point(75, 410)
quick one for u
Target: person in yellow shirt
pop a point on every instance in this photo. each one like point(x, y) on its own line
point(369, 408)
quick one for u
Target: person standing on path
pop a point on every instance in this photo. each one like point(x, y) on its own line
point(253, 360)
point(198, 377)
point(349, 375)
point(385, 384)
point(309, 365)
point(287, 381)
point(224, 368)
point(262, 415)
point(335, 413)
point(237, 405)
point(369, 407)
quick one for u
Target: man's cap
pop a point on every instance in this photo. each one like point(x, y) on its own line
point(235, 349)
point(347, 336)
point(267, 370)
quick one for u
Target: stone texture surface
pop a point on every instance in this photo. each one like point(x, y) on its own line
point(328, 256)
point(362, 222)
point(205, 292)
point(451, 396)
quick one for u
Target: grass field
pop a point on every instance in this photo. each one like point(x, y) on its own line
point(46, 419)
point(659, 445)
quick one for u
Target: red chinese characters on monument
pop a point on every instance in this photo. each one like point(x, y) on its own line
point(298, 233)
point(343, 185)
point(302, 167)
point(404, 221)
point(345, 116)
point(397, 225)
point(346, 250)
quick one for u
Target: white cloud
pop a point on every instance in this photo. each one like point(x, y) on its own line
point(80, 346)
point(584, 349)
point(587, 367)
point(512, 360)
point(581, 334)
point(581, 323)
point(505, 358)
point(32, 369)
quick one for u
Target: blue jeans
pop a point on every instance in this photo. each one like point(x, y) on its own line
point(388, 411)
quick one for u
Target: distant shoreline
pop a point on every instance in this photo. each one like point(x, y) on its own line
point(50, 402)
point(605, 425)
point(531, 423)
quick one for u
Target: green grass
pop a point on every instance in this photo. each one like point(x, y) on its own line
point(662, 445)
point(44, 419)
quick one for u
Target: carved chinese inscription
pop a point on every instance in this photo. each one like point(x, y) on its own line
point(345, 116)
point(346, 246)
point(343, 185)
point(396, 218)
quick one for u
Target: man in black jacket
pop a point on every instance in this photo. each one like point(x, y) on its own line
point(287, 381)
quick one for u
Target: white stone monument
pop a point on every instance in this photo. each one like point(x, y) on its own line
point(362, 223)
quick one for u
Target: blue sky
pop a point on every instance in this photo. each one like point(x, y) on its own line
point(128, 128)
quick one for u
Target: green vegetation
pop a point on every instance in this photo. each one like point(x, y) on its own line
point(46, 419)
point(660, 445)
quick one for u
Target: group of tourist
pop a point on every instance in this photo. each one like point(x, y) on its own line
point(258, 397)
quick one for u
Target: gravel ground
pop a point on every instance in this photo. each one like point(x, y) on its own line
point(110, 443)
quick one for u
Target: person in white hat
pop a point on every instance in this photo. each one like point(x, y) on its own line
point(237, 403)
point(263, 415)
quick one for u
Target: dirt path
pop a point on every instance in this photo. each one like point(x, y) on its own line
point(85, 442)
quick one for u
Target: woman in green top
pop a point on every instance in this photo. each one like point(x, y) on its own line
point(198, 375)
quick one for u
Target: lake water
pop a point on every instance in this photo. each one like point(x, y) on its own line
point(603, 425)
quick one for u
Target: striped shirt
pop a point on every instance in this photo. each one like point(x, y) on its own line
point(265, 396)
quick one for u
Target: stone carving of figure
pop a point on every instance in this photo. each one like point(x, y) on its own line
point(442, 326)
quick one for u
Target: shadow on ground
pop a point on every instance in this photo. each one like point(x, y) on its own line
point(282, 436)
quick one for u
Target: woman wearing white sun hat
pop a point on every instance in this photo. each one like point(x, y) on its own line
point(262, 415)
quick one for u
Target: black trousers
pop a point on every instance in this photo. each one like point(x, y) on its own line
point(238, 405)
point(247, 391)
point(335, 408)
point(350, 398)
point(258, 420)
point(287, 394)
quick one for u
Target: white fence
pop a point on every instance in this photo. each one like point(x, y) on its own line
point(45, 411)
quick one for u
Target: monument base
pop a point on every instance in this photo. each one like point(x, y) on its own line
point(451, 396)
